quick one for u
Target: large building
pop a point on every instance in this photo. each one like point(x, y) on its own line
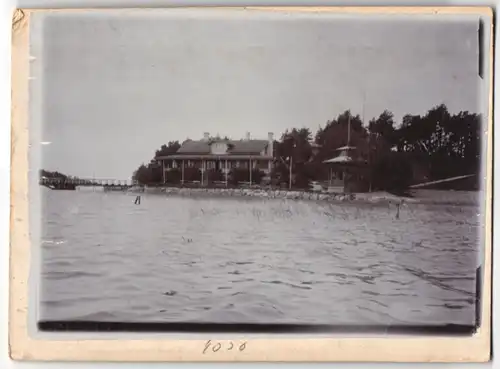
point(220, 155)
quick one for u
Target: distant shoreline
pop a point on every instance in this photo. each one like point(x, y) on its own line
point(429, 197)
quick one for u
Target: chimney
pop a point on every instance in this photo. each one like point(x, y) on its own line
point(270, 146)
point(206, 136)
point(247, 136)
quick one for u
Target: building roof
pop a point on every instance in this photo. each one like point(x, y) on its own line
point(346, 148)
point(345, 159)
point(235, 147)
point(215, 157)
point(340, 159)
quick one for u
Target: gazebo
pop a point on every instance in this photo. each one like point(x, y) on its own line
point(347, 169)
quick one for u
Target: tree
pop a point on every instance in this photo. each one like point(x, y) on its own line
point(335, 135)
point(152, 173)
point(383, 127)
point(465, 134)
point(381, 138)
point(168, 149)
point(48, 174)
point(394, 172)
point(448, 145)
point(294, 149)
point(425, 134)
point(143, 175)
point(238, 175)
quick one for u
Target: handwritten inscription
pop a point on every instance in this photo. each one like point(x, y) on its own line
point(211, 346)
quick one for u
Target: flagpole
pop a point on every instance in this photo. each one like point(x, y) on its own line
point(349, 129)
point(290, 169)
point(364, 101)
point(369, 144)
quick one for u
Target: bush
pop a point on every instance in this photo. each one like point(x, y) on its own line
point(192, 174)
point(173, 176)
point(238, 175)
point(214, 175)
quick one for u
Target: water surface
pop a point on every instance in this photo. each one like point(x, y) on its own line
point(252, 260)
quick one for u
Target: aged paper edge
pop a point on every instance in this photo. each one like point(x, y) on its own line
point(412, 349)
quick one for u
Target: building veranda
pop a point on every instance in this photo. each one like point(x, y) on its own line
point(218, 161)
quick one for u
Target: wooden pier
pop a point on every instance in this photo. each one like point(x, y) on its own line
point(73, 183)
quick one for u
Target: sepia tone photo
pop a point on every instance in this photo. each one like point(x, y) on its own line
point(258, 171)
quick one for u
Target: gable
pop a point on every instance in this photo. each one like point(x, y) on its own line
point(219, 148)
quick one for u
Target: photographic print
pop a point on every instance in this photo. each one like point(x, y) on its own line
point(258, 171)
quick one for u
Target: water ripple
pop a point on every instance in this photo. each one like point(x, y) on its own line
point(230, 260)
point(63, 275)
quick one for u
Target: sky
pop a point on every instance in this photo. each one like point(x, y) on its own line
point(115, 86)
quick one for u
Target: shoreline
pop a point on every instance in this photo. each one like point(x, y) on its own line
point(422, 197)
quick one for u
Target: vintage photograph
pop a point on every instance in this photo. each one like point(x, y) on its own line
point(258, 168)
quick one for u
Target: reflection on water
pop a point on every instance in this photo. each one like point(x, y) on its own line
point(236, 260)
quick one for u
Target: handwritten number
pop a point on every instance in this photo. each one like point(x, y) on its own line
point(216, 347)
point(207, 345)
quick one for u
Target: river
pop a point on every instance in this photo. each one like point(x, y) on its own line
point(174, 259)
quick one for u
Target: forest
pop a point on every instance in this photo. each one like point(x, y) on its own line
point(420, 148)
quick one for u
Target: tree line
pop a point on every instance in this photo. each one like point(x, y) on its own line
point(421, 148)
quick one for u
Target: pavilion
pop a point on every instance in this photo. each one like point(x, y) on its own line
point(209, 154)
point(347, 169)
